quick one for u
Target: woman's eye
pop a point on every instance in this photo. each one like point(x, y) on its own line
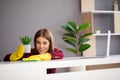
point(44, 43)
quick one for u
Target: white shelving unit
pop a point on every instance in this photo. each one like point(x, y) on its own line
point(101, 16)
point(108, 35)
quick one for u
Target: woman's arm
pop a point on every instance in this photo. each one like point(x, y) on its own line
point(57, 54)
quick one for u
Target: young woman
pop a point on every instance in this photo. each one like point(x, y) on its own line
point(44, 43)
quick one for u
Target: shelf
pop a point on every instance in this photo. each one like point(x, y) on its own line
point(102, 12)
point(106, 34)
point(114, 55)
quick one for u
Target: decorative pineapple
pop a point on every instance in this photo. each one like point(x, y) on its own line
point(26, 42)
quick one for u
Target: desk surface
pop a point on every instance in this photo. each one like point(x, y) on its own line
point(37, 70)
point(76, 60)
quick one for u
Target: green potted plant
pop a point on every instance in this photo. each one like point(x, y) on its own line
point(26, 42)
point(98, 30)
point(76, 38)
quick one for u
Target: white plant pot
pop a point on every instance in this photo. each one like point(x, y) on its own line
point(27, 48)
point(98, 32)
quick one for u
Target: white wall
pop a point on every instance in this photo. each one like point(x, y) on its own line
point(25, 17)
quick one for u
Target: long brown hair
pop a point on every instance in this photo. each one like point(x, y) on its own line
point(47, 35)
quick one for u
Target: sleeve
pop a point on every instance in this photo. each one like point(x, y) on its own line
point(7, 57)
point(57, 54)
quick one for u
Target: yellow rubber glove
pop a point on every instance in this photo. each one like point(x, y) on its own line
point(39, 57)
point(18, 53)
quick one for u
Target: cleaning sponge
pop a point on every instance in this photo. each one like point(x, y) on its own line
point(39, 57)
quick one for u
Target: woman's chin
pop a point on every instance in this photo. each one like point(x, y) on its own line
point(41, 52)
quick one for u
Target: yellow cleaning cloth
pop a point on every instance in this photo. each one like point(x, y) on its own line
point(18, 53)
point(39, 57)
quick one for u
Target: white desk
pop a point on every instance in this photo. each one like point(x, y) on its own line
point(37, 70)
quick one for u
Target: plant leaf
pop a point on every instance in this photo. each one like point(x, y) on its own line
point(82, 26)
point(86, 35)
point(25, 40)
point(84, 47)
point(69, 35)
point(83, 40)
point(72, 25)
point(68, 29)
point(69, 39)
point(71, 50)
point(71, 42)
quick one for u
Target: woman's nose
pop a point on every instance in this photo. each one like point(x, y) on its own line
point(41, 45)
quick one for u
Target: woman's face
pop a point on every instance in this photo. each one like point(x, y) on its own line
point(42, 45)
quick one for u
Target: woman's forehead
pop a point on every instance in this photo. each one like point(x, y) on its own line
point(41, 38)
